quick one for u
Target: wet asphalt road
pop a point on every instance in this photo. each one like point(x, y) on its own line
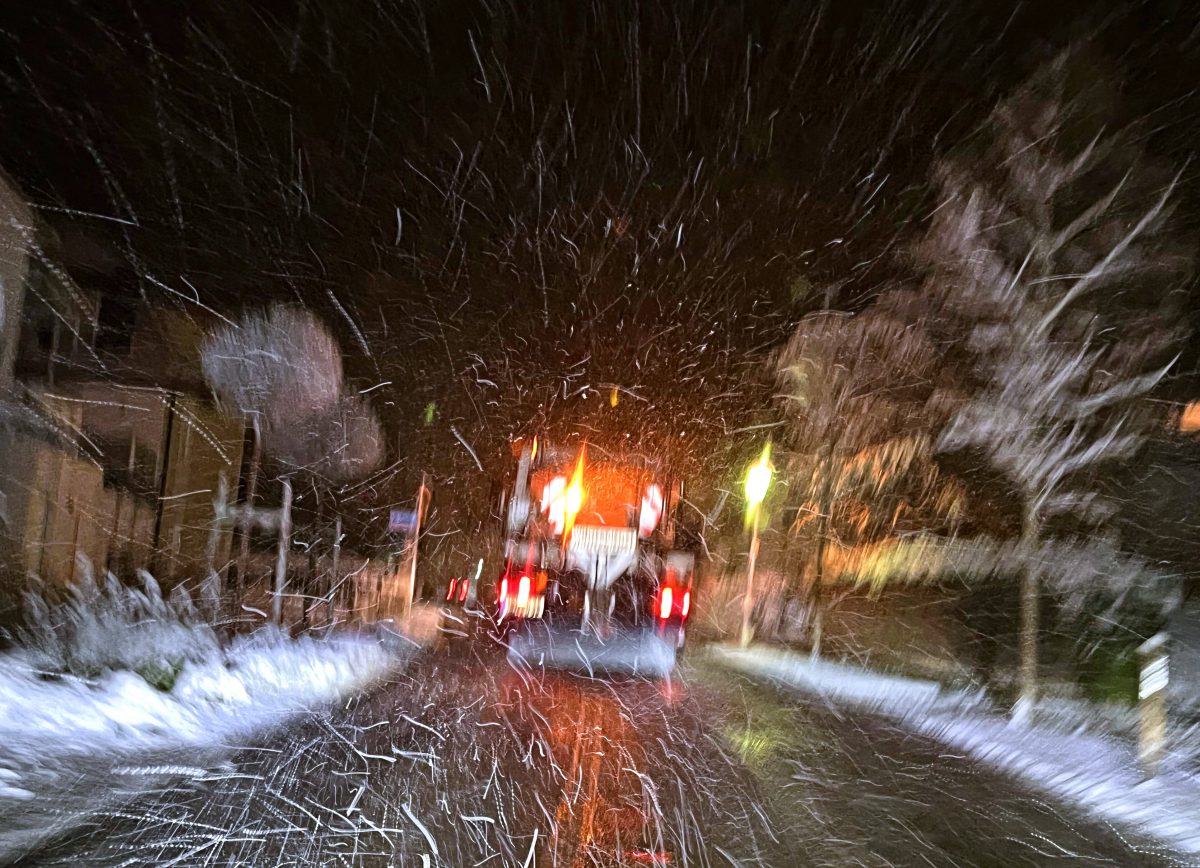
point(462, 761)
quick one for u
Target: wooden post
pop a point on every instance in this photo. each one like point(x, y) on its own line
point(354, 599)
point(243, 561)
point(74, 544)
point(422, 500)
point(212, 578)
point(281, 560)
point(334, 587)
point(1152, 703)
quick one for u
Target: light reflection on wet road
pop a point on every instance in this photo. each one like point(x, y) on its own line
point(462, 761)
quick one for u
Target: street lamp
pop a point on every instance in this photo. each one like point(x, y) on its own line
point(758, 480)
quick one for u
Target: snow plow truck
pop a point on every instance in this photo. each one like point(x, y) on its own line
point(597, 577)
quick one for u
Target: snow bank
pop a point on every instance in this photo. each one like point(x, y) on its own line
point(108, 625)
point(52, 731)
point(1098, 774)
point(117, 670)
point(1095, 773)
point(257, 681)
point(849, 685)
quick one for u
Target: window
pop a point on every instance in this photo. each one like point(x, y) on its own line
point(115, 326)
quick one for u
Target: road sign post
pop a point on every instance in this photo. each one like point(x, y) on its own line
point(1152, 702)
point(407, 522)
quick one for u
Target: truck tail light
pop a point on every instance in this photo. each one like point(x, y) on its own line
point(666, 598)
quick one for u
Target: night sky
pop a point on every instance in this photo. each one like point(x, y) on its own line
point(509, 209)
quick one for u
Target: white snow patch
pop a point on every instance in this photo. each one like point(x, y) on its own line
point(1096, 773)
point(849, 685)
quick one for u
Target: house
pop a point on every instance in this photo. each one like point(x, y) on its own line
point(110, 451)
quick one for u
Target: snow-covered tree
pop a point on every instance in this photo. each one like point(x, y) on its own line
point(1050, 246)
point(279, 368)
point(340, 444)
point(280, 357)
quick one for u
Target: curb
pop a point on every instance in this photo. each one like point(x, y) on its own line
point(851, 685)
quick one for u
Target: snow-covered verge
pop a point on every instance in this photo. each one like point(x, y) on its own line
point(72, 747)
point(259, 680)
point(1095, 773)
point(849, 685)
point(119, 671)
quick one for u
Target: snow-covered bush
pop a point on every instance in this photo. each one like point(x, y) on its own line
point(111, 626)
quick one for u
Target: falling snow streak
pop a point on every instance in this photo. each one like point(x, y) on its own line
point(401, 235)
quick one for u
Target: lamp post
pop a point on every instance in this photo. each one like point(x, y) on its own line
point(758, 479)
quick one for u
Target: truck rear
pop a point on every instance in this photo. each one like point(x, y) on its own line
point(593, 580)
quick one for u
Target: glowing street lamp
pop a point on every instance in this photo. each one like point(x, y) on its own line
point(758, 480)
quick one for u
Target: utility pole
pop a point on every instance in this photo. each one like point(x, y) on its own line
point(164, 468)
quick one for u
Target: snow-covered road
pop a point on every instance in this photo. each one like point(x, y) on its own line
point(460, 760)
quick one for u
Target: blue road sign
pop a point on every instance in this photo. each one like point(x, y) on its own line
point(402, 521)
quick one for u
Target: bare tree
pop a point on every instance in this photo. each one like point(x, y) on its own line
point(1049, 247)
point(858, 438)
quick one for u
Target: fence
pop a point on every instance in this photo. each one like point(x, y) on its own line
point(367, 591)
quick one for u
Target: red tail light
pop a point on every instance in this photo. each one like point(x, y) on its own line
point(450, 590)
point(686, 605)
point(665, 599)
point(503, 589)
point(523, 591)
point(462, 592)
